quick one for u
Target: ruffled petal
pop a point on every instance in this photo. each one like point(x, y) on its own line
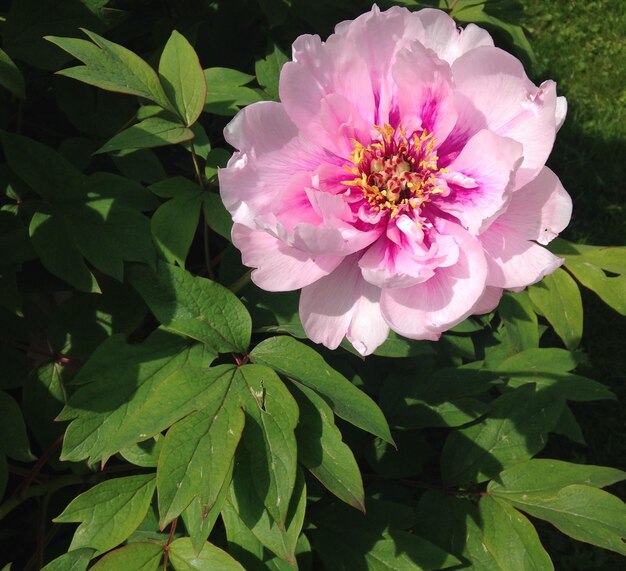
point(279, 267)
point(426, 309)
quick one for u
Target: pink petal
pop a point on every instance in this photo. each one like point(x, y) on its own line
point(426, 309)
point(279, 267)
point(490, 161)
point(368, 330)
point(488, 301)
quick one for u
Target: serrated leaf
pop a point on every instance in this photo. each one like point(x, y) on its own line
point(294, 359)
point(514, 430)
point(174, 225)
point(226, 93)
point(13, 437)
point(558, 298)
point(271, 418)
point(129, 393)
point(140, 556)
point(547, 476)
point(198, 451)
point(76, 560)
point(194, 306)
point(112, 67)
point(11, 77)
point(244, 510)
point(149, 133)
point(109, 512)
point(182, 78)
point(268, 70)
point(184, 557)
point(582, 512)
point(322, 450)
point(511, 538)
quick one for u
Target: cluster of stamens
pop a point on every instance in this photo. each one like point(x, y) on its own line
point(396, 173)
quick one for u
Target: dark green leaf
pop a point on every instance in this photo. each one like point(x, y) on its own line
point(294, 359)
point(396, 346)
point(611, 290)
point(511, 538)
point(216, 215)
point(520, 322)
point(558, 298)
point(185, 558)
point(145, 453)
point(140, 556)
point(194, 306)
point(322, 450)
point(10, 76)
point(182, 78)
point(198, 451)
point(514, 430)
point(152, 132)
point(268, 70)
point(13, 437)
point(112, 67)
point(122, 500)
point(226, 93)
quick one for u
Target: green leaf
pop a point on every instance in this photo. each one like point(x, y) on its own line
point(174, 225)
point(13, 437)
point(112, 67)
point(396, 346)
point(547, 476)
point(271, 418)
point(294, 359)
point(226, 93)
point(182, 78)
point(514, 430)
point(124, 501)
point(611, 290)
point(558, 298)
point(539, 362)
point(322, 450)
point(152, 132)
point(198, 451)
point(582, 512)
point(511, 538)
point(520, 322)
point(76, 560)
point(194, 306)
point(140, 556)
point(268, 70)
point(129, 393)
point(185, 558)
point(243, 509)
point(174, 187)
point(10, 76)
point(216, 215)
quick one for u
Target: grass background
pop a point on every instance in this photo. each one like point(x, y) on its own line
point(582, 46)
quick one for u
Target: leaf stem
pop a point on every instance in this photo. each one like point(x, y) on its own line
point(241, 282)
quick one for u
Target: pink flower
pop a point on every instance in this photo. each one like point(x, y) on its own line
point(401, 181)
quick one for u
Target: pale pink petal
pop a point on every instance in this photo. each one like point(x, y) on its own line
point(368, 330)
point(494, 92)
point(426, 309)
point(488, 301)
point(561, 111)
point(279, 267)
point(490, 162)
point(443, 37)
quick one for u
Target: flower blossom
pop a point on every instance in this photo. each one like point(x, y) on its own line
point(401, 180)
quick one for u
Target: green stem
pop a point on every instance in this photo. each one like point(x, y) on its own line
point(240, 283)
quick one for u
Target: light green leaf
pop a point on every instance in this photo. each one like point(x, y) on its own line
point(10, 76)
point(182, 78)
point(611, 290)
point(514, 430)
point(151, 132)
point(322, 450)
point(268, 70)
point(198, 451)
point(194, 306)
point(511, 538)
point(582, 512)
point(109, 512)
point(520, 322)
point(271, 418)
point(540, 361)
point(184, 557)
point(145, 453)
point(140, 390)
point(294, 359)
point(140, 556)
point(76, 560)
point(174, 225)
point(226, 93)
point(13, 437)
point(244, 509)
point(112, 67)
point(558, 298)
point(569, 386)
point(547, 476)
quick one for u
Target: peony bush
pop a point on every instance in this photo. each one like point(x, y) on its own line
point(313, 312)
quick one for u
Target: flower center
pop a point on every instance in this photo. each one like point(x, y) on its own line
point(396, 173)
